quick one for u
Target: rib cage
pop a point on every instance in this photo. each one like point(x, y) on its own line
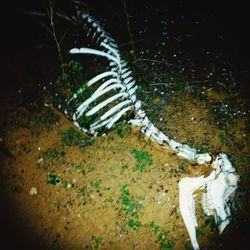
point(113, 96)
point(114, 90)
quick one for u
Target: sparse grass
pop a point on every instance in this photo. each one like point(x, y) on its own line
point(53, 179)
point(90, 169)
point(96, 184)
point(45, 119)
point(130, 208)
point(123, 129)
point(154, 227)
point(51, 154)
point(73, 74)
point(165, 243)
point(124, 166)
point(71, 137)
point(79, 166)
point(144, 160)
point(96, 242)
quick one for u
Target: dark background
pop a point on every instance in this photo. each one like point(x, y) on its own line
point(218, 26)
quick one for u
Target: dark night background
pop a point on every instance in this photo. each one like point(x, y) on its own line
point(26, 48)
point(219, 26)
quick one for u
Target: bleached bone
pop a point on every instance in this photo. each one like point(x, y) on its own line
point(107, 83)
point(187, 186)
point(219, 192)
point(85, 104)
point(115, 109)
point(220, 185)
point(95, 52)
point(101, 76)
point(105, 103)
point(118, 116)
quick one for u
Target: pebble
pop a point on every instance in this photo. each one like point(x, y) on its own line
point(33, 191)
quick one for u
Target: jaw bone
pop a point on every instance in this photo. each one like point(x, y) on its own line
point(220, 187)
point(187, 186)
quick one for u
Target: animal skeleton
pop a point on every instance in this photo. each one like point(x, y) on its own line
point(114, 96)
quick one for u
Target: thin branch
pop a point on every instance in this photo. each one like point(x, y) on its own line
point(50, 13)
point(128, 25)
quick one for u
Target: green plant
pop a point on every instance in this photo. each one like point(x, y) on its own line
point(96, 184)
point(154, 227)
point(90, 168)
point(130, 208)
point(134, 223)
point(73, 74)
point(46, 118)
point(79, 166)
point(53, 179)
point(124, 166)
point(199, 232)
point(71, 137)
point(51, 154)
point(144, 160)
point(96, 241)
point(164, 242)
point(123, 129)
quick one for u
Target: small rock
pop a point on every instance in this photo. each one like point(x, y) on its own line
point(33, 191)
point(40, 160)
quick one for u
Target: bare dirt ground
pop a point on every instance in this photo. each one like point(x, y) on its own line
point(99, 194)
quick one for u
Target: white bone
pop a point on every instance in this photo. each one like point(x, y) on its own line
point(130, 85)
point(126, 74)
point(107, 83)
point(132, 90)
point(99, 124)
point(187, 186)
point(85, 104)
point(95, 52)
point(127, 80)
point(115, 109)
point(118, 116)
point(105, 103)
point(115, 53)
point(101, 76)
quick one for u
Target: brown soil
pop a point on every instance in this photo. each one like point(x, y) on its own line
point(85, 210)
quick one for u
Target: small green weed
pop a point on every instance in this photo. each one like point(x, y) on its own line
point(52, 154)
point(79, 166)
point(96, 241)
point(154, 227)
point(124, 166)
point(71, 137)
point(199, 232)
point(135, 224)
point(162, 237)
point(130, 208)
point(90, 169)
point(96, 184)
point(123, 129)
point(144, 160)
point(164, 242)
point(73, 74)
point(53, 179)
point(46, 118)
point(128, 205)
